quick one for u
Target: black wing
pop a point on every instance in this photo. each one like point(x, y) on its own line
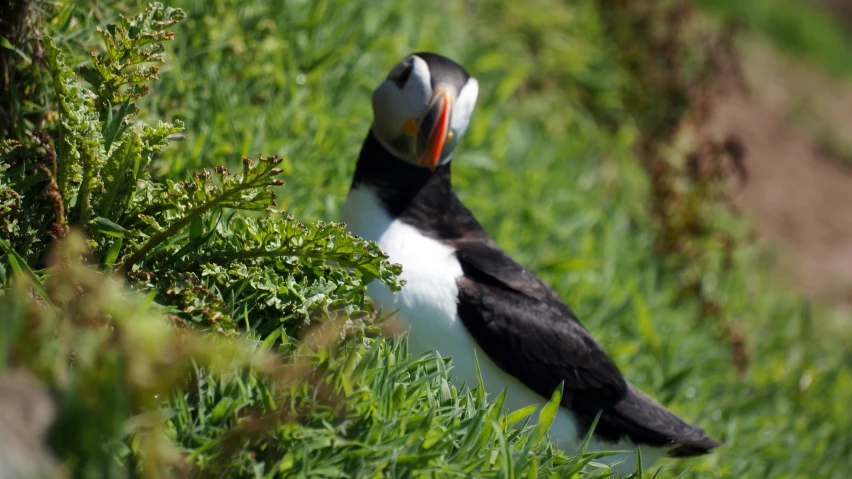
point(530, 333)
point(526, 329)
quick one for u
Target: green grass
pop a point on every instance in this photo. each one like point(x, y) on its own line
point(560, 193)
point(802, 28)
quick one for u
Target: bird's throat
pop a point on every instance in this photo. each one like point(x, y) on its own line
point(400, 185)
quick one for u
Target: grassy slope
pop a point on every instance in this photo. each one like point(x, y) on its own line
point(799, 27)
point(563, 196)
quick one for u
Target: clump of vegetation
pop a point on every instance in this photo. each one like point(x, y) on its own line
point(109, 361)
point(206, 259)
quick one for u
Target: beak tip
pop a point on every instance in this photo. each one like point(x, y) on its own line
point(427, 162)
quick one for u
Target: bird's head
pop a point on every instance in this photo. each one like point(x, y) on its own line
point(422, 109)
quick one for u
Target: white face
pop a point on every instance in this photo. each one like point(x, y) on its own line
point(417, 124)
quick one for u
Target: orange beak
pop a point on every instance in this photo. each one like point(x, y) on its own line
point(434, 128)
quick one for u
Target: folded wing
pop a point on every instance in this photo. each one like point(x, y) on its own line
point(528, 331)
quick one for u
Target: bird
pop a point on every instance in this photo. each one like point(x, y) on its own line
point(467, 298)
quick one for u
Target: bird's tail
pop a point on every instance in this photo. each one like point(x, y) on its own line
point(647, 422)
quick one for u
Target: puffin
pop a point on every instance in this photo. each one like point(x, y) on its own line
point(467, 298)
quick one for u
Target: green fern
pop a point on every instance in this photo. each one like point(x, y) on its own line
point(82, 152)
point(120, 74)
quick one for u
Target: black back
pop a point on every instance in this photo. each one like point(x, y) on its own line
point(521, 323)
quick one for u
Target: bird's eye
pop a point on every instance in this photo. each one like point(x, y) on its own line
point(403, 77)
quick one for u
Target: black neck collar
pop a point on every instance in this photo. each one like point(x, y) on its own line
point(400, 185)
point(421, 198)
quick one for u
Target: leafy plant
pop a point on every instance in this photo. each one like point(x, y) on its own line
point(185, 234)
point(108, 359)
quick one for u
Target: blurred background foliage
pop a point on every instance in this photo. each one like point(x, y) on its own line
point(806, 29)
point(584, 159)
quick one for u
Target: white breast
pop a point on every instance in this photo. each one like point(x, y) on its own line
point(429, 267)
point(427, 305)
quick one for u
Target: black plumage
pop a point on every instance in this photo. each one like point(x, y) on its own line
point(518, 321)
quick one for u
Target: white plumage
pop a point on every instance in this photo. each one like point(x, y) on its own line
point(427, 305)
